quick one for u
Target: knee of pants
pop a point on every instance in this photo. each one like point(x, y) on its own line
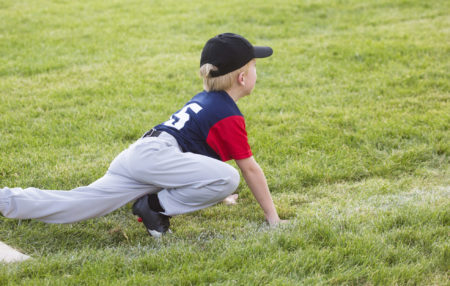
point(233, 181)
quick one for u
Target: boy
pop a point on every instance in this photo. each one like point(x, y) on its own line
point(177, 167)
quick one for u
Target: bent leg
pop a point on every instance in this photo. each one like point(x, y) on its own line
point(189, 182)
point(209, 182)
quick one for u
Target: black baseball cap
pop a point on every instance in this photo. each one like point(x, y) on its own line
point(229, 52)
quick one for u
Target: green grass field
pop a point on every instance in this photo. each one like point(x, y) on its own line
point(350, 121)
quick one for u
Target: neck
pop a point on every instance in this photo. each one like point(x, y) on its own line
point(235, 93)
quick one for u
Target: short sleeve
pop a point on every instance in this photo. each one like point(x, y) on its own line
point(228, 138)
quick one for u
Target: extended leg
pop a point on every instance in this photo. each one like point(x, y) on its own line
point(101, 197)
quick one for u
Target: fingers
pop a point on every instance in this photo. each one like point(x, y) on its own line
point(278, 223)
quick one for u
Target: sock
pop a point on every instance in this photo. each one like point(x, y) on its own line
point(154, 204)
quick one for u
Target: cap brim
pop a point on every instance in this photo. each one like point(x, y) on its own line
point(262, 52)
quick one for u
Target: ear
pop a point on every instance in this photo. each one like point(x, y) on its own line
point(241, 78)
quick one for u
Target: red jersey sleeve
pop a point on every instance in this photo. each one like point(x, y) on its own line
point(228, 138)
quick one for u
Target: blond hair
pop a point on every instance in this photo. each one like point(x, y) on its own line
point(222, 82)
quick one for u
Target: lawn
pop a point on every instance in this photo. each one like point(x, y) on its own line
point(349, 119)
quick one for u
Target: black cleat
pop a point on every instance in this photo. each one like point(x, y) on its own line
point(156, 223)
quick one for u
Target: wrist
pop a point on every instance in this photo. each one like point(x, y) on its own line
point(273, 219)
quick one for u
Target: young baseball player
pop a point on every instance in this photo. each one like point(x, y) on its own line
point(178, 166)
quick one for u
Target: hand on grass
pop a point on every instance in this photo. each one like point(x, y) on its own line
point(277, 222)
point(231, 199)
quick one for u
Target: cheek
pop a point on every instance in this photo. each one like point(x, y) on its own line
point(253, 74)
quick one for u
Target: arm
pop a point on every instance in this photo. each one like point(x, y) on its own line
point(256, 181)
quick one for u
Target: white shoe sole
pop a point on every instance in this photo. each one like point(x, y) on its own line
point(157, 234)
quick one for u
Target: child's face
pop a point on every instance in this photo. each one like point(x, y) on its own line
point(250, 77)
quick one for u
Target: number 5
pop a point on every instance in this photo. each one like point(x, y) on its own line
point(179, 119)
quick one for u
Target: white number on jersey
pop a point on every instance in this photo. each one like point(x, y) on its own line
point(179, 119)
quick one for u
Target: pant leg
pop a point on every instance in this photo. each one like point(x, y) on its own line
point(188, 181)
point(54, 206)
point(113, 190)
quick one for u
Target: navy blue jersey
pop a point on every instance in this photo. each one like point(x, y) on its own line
point(210, 124)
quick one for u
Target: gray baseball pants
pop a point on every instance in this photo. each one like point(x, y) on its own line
point(185, 182)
